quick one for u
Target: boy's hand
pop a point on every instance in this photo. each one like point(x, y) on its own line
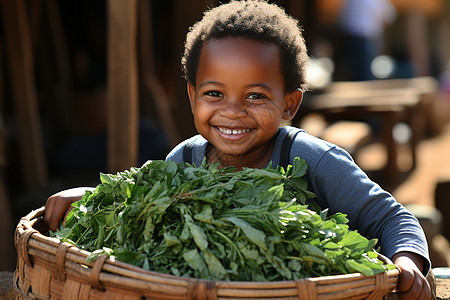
point(59, 205)
point(411, 284)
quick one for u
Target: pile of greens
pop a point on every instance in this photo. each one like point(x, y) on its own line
point(219, 224)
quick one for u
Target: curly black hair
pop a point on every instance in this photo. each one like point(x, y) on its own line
point(253, 19)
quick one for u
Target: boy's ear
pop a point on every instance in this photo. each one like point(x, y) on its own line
point(191, 94)
point(292, 103)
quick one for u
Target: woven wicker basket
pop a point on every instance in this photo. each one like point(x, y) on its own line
point(49, 269)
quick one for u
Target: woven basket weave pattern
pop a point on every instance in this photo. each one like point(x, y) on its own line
point(49, 269)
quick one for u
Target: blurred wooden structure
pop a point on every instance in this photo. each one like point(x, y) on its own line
point(392, 101)
point(122, 84)
point(350, 135)
point(18, 50)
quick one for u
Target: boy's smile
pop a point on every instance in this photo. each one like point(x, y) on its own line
point(239, 100)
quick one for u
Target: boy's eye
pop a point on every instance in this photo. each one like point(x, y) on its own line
point(256, 96)
point(213, 94)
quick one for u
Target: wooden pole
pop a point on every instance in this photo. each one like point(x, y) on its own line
point(20, 61)
point(417, 35)
point(63, 87)
point(122, 85)
point(185, 14)
point(150, 81)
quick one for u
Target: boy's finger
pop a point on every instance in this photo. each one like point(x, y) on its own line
point(426, 290)
point(56, 212)
point(48, 210)
point(417, 291)
point(426, 294)
point(422, 294)
point(67, 212)
point(406, 279)
point(416, 287)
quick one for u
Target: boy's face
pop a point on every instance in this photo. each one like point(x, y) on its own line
point(239, 99)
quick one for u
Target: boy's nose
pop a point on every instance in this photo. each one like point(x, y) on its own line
point(234, 108)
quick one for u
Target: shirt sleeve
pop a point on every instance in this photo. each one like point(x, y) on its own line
point(176, 154)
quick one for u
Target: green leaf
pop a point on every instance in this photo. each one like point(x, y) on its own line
point(171, 240)
point(205, 215)
point(299, 167)
point(197, 233)
point(314, 251)
point(195, 261)
point(129, 257)
point(254, 235)
point(359, 267)
point(216, 270)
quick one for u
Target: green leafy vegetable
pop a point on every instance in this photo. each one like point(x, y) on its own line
point(218, 224)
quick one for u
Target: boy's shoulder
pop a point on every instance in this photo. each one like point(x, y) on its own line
point(301, 140)
point(303, 145)
point(197, 145)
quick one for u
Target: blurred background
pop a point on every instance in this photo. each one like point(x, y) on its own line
point(96, 86)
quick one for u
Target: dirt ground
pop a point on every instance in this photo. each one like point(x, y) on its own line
point(433, 167)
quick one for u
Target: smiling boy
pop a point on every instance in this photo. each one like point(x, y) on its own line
point(244, 63)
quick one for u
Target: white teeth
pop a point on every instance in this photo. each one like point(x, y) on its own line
point(234, 131)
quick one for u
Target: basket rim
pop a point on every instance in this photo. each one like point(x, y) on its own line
point(35, 239)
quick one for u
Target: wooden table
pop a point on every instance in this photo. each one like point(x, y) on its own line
point(391, 106)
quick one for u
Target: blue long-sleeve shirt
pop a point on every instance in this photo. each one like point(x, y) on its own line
point(341, 186)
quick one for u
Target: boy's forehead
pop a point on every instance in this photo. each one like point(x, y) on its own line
point(239, 47)
point(240, 61)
